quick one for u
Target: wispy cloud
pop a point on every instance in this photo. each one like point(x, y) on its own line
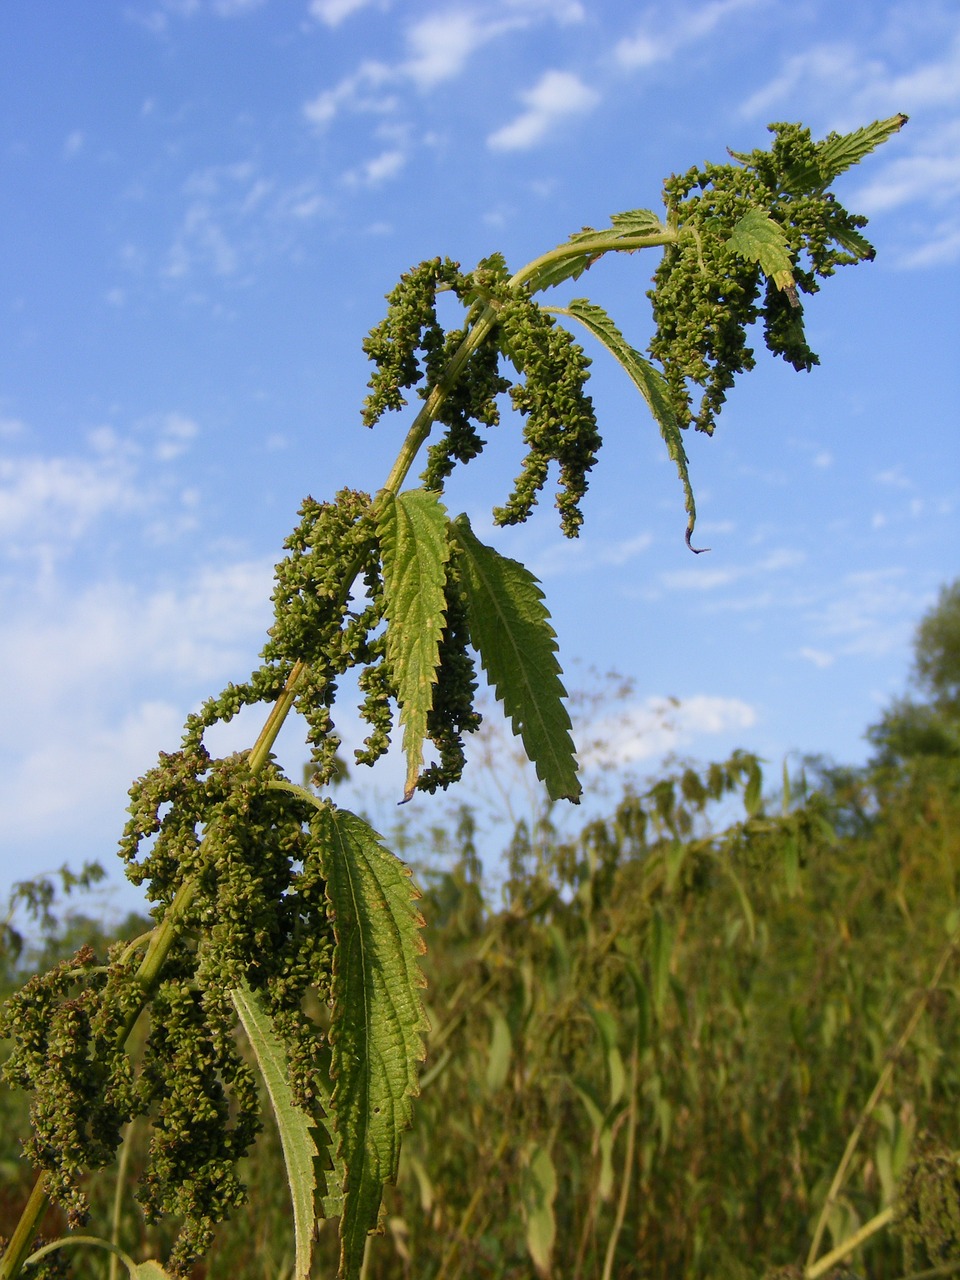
point(658, 726)
point(931, 173)
point(48, 503)
point(585, 555)
point(333, 12)
point(123, 640)
point(658, 39)
point(872, 614)
point(709, 578)
point(362, 90)
point(556, 96)
point(379, 169)
point(441, 44)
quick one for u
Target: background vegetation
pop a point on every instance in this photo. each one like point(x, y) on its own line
point(653, 1040)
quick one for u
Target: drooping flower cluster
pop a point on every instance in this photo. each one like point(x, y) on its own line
point(706, 296)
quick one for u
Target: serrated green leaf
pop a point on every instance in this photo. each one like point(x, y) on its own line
point(648, 380)
point(510, 628)
point(637, 222)
point(538, 1193)
point(757, 238)
point(840, 151)
point(377, 1020)
point(836, 153)
point(412, 530)
point(854, 243)
point(560, 265)
point(298, 1138)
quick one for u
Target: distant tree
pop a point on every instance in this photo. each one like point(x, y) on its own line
point(931, 728)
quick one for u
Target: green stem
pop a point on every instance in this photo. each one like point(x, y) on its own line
point(846, 1247)
point(21, 1241)
point(94, 1241)
point(122, 1163)
point(592, 248)
point(628, 1160)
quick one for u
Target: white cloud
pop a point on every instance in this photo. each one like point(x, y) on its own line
point(855, 84)
point(818, 657)
point(441, 44)
point(585, 555)
point(874, 613)
point(58, 498)
point(556, 96)
point(438, 48)
point(174, 436)
point(660, 725)
point(657, 40)
point(380, 169)
point(840, 69)
point(357, 92)
point(84, 716)
point(333, 12)
point(708, 577)
point(48, 503)
point(939, 248)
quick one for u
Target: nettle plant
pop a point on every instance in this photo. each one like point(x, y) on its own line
point(278, 912)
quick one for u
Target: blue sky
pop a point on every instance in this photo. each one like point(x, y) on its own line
point(202, 206)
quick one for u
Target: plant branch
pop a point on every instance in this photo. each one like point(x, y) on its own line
point(846, 1247)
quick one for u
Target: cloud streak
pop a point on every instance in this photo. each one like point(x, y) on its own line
point(658, 39)
point(557, 96)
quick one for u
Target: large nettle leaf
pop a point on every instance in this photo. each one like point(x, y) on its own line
point(377, 1019)
point(648, 380)
point(412, 530)
point(510, 628)
point(297, 1136)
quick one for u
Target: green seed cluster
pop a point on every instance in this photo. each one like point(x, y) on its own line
point(333, 544)
point(259, 917)
point(453, 713)
point(410, 346)
point(205, 1116)
point(928, 1211)
point(472, 399)
point(66, 1027)
point(409, 328)
point(706, 296)
point(561, 424)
